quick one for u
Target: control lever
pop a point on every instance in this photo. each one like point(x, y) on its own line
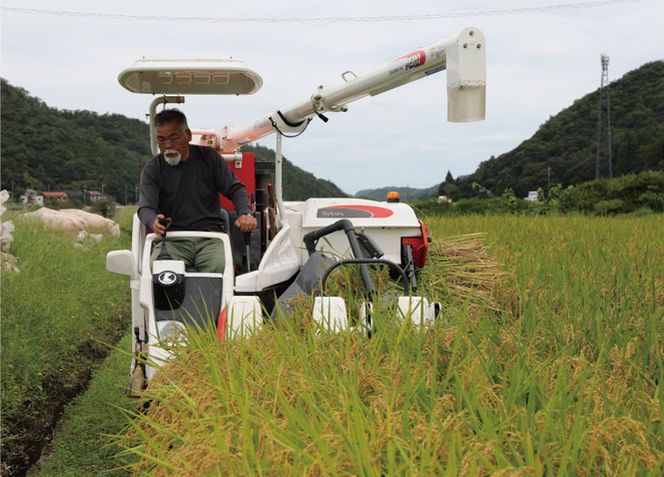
point(163, 252)
point(247, 249)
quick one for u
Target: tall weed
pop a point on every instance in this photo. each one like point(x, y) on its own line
point(58, 313)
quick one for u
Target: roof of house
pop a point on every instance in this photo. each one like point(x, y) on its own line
point(55, 194)
point(74, 193)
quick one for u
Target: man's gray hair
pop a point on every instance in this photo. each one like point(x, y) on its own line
point(171, 116)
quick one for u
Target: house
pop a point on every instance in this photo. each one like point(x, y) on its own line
point(94, 195)
point(32, 197)
point(58, 196)
point(75, 195)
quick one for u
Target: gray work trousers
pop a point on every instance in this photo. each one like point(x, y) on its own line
point(205, 255)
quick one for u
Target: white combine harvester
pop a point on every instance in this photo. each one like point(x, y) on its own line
point(285, 255)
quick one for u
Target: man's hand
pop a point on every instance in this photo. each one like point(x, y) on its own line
point(246, 223)
point(160, 224)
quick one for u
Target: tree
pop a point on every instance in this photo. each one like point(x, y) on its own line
point(567, 141)
point(449, 187)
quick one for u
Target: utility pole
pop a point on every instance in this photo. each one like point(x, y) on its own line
point(604, 119)
point(548, 180)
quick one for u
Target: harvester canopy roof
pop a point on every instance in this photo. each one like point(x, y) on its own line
point(190, 76)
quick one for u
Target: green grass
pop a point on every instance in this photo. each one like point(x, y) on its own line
point(83, 443)
point(558, 374)
point(57, 314)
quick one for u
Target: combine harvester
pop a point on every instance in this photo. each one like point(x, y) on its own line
point(285, 256)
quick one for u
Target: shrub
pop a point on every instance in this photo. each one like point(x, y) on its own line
point(642, 212)
point(105, 207)
point(652, 200)
point(611, 206)
point(620, 195)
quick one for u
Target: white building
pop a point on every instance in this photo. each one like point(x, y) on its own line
point(32, 197)
point(532, 196)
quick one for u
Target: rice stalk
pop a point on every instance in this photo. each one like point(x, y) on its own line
point(460, 269)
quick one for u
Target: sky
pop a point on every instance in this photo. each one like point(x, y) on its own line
point(538, 63)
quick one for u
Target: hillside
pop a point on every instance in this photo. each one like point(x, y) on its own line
point(298, 183)
point(567, 142)
point(406, 193)
point(44, 148)
point(47, 149)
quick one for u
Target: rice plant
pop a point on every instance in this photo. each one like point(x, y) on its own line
point(548, 364)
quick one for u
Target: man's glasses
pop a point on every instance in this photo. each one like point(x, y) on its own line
point(172, 139)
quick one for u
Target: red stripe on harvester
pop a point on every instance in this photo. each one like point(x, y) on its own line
point(221, 324)
point(420, 53)
point(376, 212)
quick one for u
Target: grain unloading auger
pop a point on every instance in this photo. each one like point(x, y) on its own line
point(296, 244)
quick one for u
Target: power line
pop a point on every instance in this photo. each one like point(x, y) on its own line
point(364, 19)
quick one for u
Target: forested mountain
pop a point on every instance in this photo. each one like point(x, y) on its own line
point(567, 142)
point(406, 193)
point(44, 148)
point(298, 183)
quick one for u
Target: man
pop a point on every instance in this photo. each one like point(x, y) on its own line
point(179, 190)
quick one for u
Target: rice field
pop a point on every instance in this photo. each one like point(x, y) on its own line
point(546, 361)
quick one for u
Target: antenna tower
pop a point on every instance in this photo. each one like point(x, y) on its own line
point(604, 119)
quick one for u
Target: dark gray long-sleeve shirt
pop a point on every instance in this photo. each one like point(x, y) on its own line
point(189, 192)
